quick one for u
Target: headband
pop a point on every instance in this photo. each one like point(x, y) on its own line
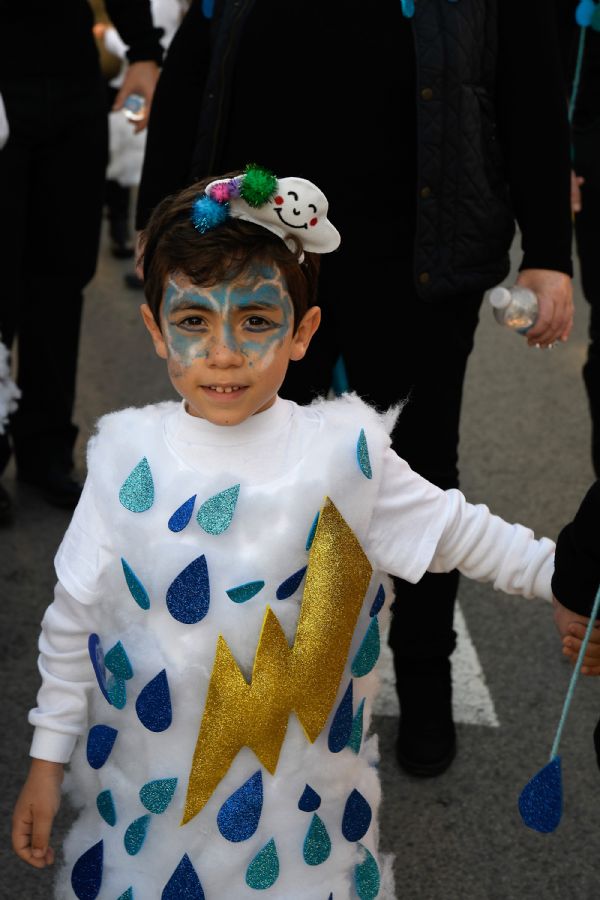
point(284, 206)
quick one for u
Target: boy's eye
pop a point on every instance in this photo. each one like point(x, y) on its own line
point(191, 323)
point(259, 323)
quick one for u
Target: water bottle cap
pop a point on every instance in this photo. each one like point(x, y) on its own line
point(500, 297)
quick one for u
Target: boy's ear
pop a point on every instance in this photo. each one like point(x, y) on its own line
point(308, 325)
point(155, 332)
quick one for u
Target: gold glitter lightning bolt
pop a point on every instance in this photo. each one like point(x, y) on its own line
point(304, 678)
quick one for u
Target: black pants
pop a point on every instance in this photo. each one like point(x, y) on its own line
point(396, 345)
point(51, 189)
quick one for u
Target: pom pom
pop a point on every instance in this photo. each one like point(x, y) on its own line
point(207, 213)
point(258, 186)
point(235, 186)
point(221, 192)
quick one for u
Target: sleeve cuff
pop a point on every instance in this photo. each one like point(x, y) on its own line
point(53, 746)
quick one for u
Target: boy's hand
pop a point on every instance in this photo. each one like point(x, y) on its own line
point(572, 628)
point(34, 813)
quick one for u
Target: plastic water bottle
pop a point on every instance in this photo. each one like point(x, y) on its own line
point(515, 307)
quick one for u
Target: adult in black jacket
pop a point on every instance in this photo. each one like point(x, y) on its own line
point(430, 135)
point(51, 194)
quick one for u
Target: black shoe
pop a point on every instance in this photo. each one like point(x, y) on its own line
point(6, 508)
point(133, 281)
point(425, 751)
point(56, 486)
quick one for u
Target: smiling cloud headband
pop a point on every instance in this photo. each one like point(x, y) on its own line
point(285, 206)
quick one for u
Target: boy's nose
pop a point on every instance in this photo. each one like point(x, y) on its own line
point(225, 353)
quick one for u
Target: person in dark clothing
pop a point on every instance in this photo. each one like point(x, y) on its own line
point(458, 117)
point(51, 184)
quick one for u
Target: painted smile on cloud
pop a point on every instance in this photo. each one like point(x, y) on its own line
point(279, 201)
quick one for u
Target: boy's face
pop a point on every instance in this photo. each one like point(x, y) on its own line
point(228, 346)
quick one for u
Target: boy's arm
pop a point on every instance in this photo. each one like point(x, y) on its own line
point(34, 813)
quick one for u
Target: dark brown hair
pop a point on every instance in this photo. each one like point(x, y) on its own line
point(170, 243)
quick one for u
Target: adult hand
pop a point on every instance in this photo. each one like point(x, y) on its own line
point(554, 291)
point(140, 78)
point(572, 627)
point(576, 182)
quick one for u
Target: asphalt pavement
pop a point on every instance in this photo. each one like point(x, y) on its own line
point(525, 453)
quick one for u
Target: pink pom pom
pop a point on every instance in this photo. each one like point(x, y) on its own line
point(220, 192)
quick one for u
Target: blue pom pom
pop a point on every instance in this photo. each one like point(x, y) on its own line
point(208, 213)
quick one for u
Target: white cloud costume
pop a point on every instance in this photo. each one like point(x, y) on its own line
point(186, 535)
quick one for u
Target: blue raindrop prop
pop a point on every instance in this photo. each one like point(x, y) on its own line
point(357, 729)
point(136, 835)
point(263, 871)
point(100, 741)
point(183, 884)
point(367, 879)
point(244, 592)
point(117, 662)
point(127, 895)
point(378, 601)
point(356, 818)
point(540, 801)
point(188, 597)
point(208, 7)
point(181, 517)
point(362, 455)
point(136, 588)
point(137, 491)
point(106, 807)
point(339, 378)
point(584, 13)
point(317, 843)
point(239, 816)
point(312, 532)
point(341, 726)
point(290, 585)
point(86, 875)
point(368, 652)
point(117, 692)
point(216, 513)
point(153, 704)
point(310, 800)
point(156, 795)
point(408, 8)
point(98, 663)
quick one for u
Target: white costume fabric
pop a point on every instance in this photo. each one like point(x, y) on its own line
point(213, 538)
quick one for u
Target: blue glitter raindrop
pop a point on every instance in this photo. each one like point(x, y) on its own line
point(183, 884)
point(263, 871)
point(540, 802)
point(317, 843)
point(584, 13)
point(98, 663)
point(188, 597)
point(368, 652)
point(367, 880)
point(216, 513)
point(137, 491)
point(100, 741)
point(153, 704)
point(136, 588)
point(135, 835)
point(341, 726)
point(362, 455)
point(312, 532)
point(356, 818)
point(310, 800)
point(244, 592)
point(290, 585)
point(117, 661)
point(208, 7)
point(86, 875)
point(117, 692)
point(408, 8)
point(357, 729)
point(127, 895)
point(106, 807)
point(156, 795)
point(378, 601)
point(182, 516)
point(239, 816)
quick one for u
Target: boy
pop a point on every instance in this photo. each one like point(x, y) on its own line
point(223, 570)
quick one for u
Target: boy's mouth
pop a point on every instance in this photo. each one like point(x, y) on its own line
point(225, 388)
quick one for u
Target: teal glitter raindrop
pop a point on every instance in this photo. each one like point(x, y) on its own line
point(216, 513)
point(263, 871)
point(117, 692)
point(317, 843)
point(182, 515)
point(137, 491)
point(367, 880)
point(362, 455)
point(341, 726)
point(368, 652)
point(312, 532)
point(136, 588)
point(106, 807)
point(357, 729)
point(136, 835)
point(239, 816)
point(128, 895)
point(244, 592)
point(117, 662)
point(156, 795)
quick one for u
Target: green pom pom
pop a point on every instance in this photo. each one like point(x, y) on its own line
point(258, 186)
